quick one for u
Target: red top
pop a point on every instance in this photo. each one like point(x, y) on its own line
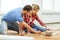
point(30, 21)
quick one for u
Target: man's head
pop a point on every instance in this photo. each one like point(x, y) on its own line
point(35, 8)
point(26, 9)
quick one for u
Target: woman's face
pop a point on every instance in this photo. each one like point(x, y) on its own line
point(35, 11)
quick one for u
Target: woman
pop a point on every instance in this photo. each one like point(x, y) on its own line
point(30, 17)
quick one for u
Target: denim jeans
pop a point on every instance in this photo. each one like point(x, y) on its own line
point(14, 26)
point(8, 25)
point(3, 27)
point(36, 27)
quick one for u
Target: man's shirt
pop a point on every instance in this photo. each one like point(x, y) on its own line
point(14, 15)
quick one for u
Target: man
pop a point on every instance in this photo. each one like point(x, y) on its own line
point(14, 19)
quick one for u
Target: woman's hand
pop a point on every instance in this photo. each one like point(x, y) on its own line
point(48, 28)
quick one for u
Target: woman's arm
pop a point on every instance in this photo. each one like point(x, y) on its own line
point(40, 22)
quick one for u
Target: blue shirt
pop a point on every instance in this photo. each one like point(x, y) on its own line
point(14, 15)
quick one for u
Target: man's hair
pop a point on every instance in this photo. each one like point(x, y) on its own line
point(35, 6)
point(27, 7)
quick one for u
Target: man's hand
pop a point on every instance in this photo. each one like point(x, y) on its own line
point(37, 32)
point(22, 33)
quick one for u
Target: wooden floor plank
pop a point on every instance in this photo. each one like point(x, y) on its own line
point(36, 36)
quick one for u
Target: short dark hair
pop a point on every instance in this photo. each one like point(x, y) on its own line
point(27, 7)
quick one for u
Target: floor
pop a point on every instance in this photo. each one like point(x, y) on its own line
point(41, 36)
point(37, 36)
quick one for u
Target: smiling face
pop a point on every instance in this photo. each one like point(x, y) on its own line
point(35, 11)
point(35, 8)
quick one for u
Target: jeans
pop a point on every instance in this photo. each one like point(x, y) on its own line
point(13, 26)
point(8, 25)
point(3, 27)
point(36, 27)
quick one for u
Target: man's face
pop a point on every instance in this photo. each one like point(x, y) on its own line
point(25, 12)
point(28, 14)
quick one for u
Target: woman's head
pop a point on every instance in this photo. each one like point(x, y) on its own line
point(35, 8)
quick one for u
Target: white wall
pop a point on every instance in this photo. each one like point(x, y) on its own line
point(7, 5)
point(49, 18)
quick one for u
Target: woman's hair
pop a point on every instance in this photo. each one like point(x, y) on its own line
point(35, 6)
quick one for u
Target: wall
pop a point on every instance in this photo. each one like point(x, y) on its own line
point(50, 18)
point(7, 5)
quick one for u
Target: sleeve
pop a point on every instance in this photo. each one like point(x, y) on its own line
point(40, 22)
point(19, 18)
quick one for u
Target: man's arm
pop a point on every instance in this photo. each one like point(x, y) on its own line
point(26, 26)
